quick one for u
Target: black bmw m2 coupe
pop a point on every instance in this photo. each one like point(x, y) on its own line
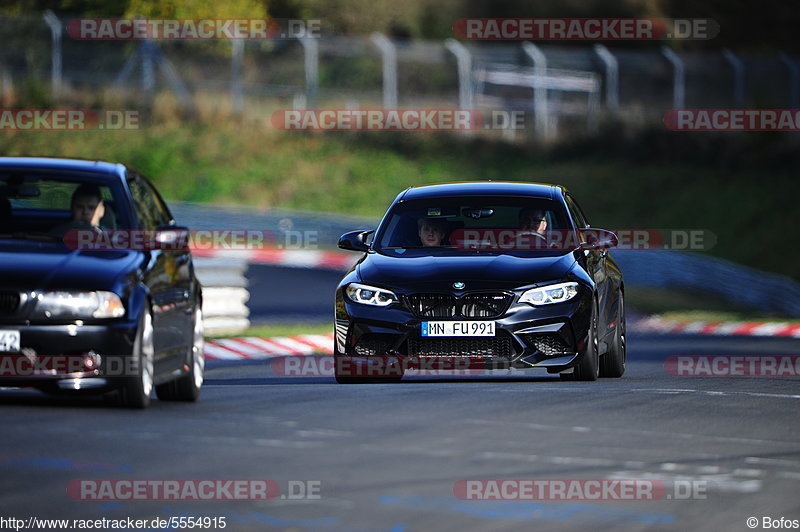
point(495, 274)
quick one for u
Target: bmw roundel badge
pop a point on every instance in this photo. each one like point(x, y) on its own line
point(458, 285)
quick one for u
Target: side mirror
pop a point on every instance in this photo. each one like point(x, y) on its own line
point(171, 237)
point(598, 239)
point(355, 240)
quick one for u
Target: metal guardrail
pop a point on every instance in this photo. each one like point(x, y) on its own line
point(225, 294)
point(747, 287)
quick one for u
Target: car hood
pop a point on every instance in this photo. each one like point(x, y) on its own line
point(476, 271)
point(37, 266)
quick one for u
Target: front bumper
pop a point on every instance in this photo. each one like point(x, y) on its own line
point(550, 337)
point(71, 356)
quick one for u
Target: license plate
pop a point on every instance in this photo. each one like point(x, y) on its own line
point(457, 328)
point(9, 341)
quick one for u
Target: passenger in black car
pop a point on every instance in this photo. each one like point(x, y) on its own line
point(431, 231)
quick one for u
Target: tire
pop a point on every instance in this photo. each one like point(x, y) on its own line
point(588, 368)
point(135, 390)
point(612, 364)
point(187, 387)
point(341, 379)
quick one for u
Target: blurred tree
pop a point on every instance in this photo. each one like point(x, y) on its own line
point(196, 9)
point(765, 25)
point(562, 8)
point(105, 8)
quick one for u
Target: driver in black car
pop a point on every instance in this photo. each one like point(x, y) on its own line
point(533, 221)
point(87, 209)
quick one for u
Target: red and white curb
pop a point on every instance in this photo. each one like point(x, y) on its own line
point(719, 328)
point(255, 348)
point(291, 258)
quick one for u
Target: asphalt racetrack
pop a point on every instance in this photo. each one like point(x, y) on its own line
point(387, 456)
point(718, 450)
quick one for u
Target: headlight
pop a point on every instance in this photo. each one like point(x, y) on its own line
point(370, 295)
point(547, 295)
point(79, 305)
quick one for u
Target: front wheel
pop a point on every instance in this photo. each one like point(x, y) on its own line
point(187, 387)
point(135, 390)
point(343, 371)
point(588, 368)
point(613, 362)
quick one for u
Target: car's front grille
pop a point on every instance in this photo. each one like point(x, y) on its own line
point(9, 302)
point(498, 346)
point(491, 305)
point(549, 344)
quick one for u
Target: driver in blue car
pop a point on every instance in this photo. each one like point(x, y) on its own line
point(87, 209)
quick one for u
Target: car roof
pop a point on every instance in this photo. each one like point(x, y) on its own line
point(484, 188)
point(56, 163)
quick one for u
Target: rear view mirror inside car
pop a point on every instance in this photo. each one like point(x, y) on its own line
point(476, 213)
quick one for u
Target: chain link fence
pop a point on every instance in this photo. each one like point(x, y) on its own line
point(41, 64)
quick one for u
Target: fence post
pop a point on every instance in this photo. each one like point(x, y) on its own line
point(679, 80)
point(225, 293)
point(55, 56)
point(7, 88)
point(389, 60)
point(541, 107)
point(464, 64)
point(612, 76)
point(237, 57)
point(148, 75)
point(170, 73)
point(311, 60)
point(794, 80)
point(738, 73)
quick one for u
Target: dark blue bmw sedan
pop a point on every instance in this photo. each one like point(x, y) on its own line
point(120, 320)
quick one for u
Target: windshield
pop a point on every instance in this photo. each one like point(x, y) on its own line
point(44, 206)
point(468, 225)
